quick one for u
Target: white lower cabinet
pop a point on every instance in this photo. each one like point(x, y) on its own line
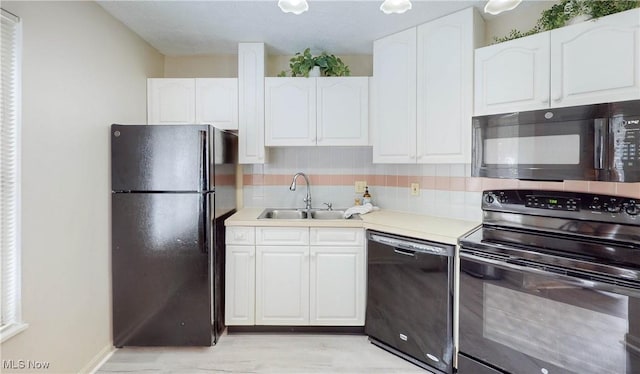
point(282, 285)
point(295, 276)
point(337, 286)
point(240, 282)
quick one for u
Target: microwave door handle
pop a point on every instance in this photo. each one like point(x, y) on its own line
point(600, 130)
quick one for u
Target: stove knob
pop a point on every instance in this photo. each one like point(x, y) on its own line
point(632, 210)
point(613, 208)
point(503, 199)
point(489, 199)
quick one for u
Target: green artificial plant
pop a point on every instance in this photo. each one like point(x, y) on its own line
point(302, 63)
point(559, 14)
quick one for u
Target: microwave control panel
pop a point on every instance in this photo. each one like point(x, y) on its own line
point(626, 143)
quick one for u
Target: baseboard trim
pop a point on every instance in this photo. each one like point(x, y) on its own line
point(358, 330)
point(98, 360)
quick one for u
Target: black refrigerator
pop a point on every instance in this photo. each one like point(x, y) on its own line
point(171, 189)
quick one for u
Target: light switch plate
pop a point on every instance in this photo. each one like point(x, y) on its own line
point(360, 185)
point(415, 189)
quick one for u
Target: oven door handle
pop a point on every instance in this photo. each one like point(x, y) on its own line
point(586, 283)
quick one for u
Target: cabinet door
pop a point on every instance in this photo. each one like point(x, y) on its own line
point(512, 76)
point(290, 111)
point(596, 61)
point(239, 288)
point(217, 102)
point(251, 57)
point(171, 101)
point(282, 285)
point(337, 278)
point(394, 98)
point(342, 110)
point(445, 88)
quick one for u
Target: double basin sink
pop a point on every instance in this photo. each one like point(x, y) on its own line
point(302, 214)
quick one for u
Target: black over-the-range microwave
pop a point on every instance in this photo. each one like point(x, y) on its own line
point(599, 142)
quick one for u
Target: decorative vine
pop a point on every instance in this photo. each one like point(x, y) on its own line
point(558, 15)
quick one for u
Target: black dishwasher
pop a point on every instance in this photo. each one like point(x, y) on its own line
point(410, 299)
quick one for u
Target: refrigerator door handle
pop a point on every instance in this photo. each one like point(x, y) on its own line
point(204, 165)
point(203, 224)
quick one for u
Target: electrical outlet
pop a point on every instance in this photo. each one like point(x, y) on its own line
point(360, 185)
point(415, 189)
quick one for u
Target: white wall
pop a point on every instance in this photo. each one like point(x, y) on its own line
point(221, 66)
point(523, 18)
point(218, 66)
point(82, 71)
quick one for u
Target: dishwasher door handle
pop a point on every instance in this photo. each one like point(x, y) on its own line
point(405, 252)
point(412, 246)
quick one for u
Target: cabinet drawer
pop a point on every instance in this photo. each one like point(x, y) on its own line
point(282, 235)
point(337, 236)
point(240, 235)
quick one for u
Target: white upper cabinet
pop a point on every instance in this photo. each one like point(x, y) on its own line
point(217, 102)
point(513, 75)
point(445, 87)
point(342, 111)
point(596, 61)
point(174, 101)
point(316, 111)
point(590, 62)
point(394, 101)
point(422, 97)
point(251, 63)
point(290, 111)
point(171, 101)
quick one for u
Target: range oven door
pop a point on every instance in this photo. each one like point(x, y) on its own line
point(523, 319)
point(553, 144)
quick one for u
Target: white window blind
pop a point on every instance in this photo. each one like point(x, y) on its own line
point(10, 175)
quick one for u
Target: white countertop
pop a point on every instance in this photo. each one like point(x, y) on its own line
point(443, 230)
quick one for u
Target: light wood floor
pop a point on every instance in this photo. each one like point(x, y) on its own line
point(264, 353)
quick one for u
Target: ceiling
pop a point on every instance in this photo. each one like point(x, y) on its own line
point(183, 28)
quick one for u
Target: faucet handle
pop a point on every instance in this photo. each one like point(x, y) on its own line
point(329, 206)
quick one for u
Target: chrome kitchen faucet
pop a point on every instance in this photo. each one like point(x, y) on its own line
point(307, 199)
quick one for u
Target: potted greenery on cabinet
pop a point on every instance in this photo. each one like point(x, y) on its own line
point(567, 11)
point(303, 65)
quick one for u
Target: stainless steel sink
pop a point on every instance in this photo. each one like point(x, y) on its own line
point(283, 214)
point(327, 214)
point(271, 213)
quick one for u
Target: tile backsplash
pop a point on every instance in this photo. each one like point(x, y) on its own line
point(446, 190)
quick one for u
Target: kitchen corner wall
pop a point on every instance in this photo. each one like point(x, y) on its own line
point(82, 70)
point(446, 190)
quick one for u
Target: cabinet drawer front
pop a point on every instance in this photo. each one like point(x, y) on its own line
point(337, 236)
point(240, 235)
point(282, 235)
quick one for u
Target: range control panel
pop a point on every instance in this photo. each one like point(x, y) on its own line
point(552, 202)
point(564, 204)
